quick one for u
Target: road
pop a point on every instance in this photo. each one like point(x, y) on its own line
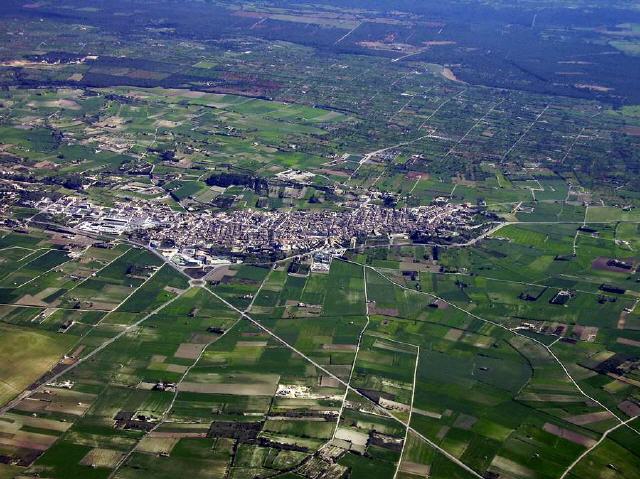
point(167, 411)
point(587, 451)
point(355, 357)
point(245, 314)
point(25, 394)
point(349, 387)
point(521, 137)
point(501, 326)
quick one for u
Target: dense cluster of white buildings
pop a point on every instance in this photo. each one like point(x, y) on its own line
point(250, 230)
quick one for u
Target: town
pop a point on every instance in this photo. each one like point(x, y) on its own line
point(341, 239)
point(188, 237)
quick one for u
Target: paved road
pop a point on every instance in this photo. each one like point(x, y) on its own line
point(107, 343)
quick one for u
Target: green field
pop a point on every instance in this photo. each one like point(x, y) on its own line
point(319, 240)
point(27, 355)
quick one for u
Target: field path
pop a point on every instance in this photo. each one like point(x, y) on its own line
point(501, 326)
point(259, 325)
point(167, 411)
point(28, 393)
point(355, 357)
point(370, 155)
point(521, 137)
point(343, 37)
point(586, 452)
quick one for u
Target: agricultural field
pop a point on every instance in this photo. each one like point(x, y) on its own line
point(35, 351)
point(420, 360)
point(347, 240)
